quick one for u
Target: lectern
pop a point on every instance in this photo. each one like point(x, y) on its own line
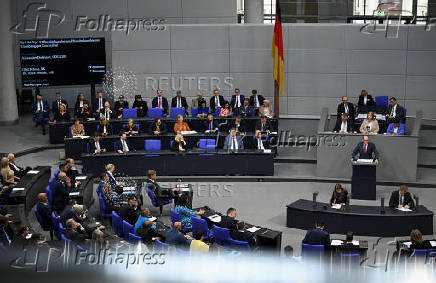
point(363, 180)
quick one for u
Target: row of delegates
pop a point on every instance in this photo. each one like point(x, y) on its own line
point(369, 126)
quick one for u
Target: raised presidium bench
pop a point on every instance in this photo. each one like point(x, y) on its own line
point(267, 240)
point(59, 131)
point(84, 192)
point(361, 220)
point(195, 162)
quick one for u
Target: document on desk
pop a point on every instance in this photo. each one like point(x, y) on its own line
point(74, 194)
point(267, 151)
point(33, 172)
point(17, 189)
point(404, 209)
point(365, 160)
point(253, 229)
point(433, 243)
point(184, 189)
point(215, 218)
point(152, 219)
point(336, 243)
point(84, 137)
point(337, 206)
point(80, 178)
point(355, 242)
point(407, 244)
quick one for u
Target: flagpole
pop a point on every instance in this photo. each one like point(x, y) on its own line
point(276, 99)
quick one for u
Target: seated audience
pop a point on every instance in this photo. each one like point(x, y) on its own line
point(95, 145)
point(256, 100)
point(198, 246)
point(7, 173)
point(123, 145)
point(246, 109)
point(417, 242)
point(67, 213)
point(229, 220)
point(86, 112)
point(144, 215)
point(197, 101)
point(22, 238)
point(180, 125)
point(339, 196)
point(18, 171)
point(210, 125)
point(79, 104)
point(80, 217)
point(41, 112)
point(179, 143)
point(238, 125)
point(226, 110)
point(317, 236)
point(343, 125)
point(216, 101)
point(266, 109)
point(233, 142)
point(147, 233)
point(129, 212)
point(56, 105)
point(130, 128)
point(140, 106)
point(241, 234)
point(62, 115)
point(105, 129)
point(345, 108)
point(44, 211)
point(160, 102)
point(77, 129)
point(107, 112)
point(258, 141)
point(99, 103)
point(71, 170)
point(237, 100)
point(120, 105)
point(347, 246)
point(160, 194)
point(401, 198)
point(179, 101)
point(264, 125)
point(186, 213)
point(112, 199)
point(61, 192)
point(369, 125)
point(174, 237)
point(396, 129)
point(394, 112)
point(75, 232)
point(116, 186)
point(157, 128)
point(202, 109)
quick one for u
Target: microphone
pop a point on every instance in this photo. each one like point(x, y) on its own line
point(314, 195)
point(382, 206)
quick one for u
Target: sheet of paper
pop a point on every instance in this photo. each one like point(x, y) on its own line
point(17, 189)
point(361, 116)
point(28, 236)
point(404, 209)
point(337, 206)
point(74, 193)
point(433, 243)
point(129, 189)
point(84, 137)
point(365, 160)
point(33, 172)
point(336, 242)
point(80, 178)
point(215, 218)
point(356, 243)
point(267, 151)
point(152, 219)
point(407, 244)
point(253, 229)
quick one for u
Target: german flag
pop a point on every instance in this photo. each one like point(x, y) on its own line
point(277, 51)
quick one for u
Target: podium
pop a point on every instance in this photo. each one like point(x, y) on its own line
point(363, 180)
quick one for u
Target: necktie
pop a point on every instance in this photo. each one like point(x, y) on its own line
point(59, 104)
point(40, 106)
point(263, 127)
point(107, 114)
point(159, 105)
point(178, 103)
point(402, 200)
point(125, 148)
point(393, 111)
point(257, 101)
point(210, 126)
point(364, 148)
point(237, 101)
point(233, 143)
point(346, 108)
point(97, 145)
point(259, 143)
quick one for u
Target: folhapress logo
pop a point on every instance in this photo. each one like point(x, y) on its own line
point(38, 19)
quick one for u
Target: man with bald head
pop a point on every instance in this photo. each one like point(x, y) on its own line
point(18, 171)
point(44, 211)
point(175, 238)
point(61, 192)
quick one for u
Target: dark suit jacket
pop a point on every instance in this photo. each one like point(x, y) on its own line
point(206, 125)
point(108, 129)
point(160, 194)
point(174, 102)
point(45, 106)
point(175, 146)
point(16, 172)
point(338, 126)
point(114, 185)
point(55, 106)
point(61, 192)
point(162, 128)
point(317, 237)
point(254, 143)
point(233, 102)
point(118, 105)
point(146, 235)
point(369, 151)
point(155, 104)
point(92, 146)
point(241, 127)
point(394, 201)
point(103, 112)
point(62, 118)
point(45, 213)
point(369, 102)
point(229, 223)
point(244, 236)
point(244, 111)
point(95, 104)
point(77, 236)
point(348, 248)
point(399, 113)
point(341, 110)
point(425, 245)
point(141, 112)
point(175, 238)
point(66, 214)
point(212, 102)
point(128, 213)
point(120, 145)
point(341, 198)
point(77, 108)
point(259, 97)
point(267, 127)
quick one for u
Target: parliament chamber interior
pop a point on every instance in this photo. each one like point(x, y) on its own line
point(231, 140)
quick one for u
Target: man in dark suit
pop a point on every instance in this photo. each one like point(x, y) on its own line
point(75, 232)
point(241, 234)
point(117, 187)
point(57, 103)
point(395, 112)
point(259, 142)
point(120, 105)
point(106, 112)
point(401, 198)
point(365, 99)
point(179, 101)
point(160, 102)
point(264, 125)
point(157, 128)
point(229, 220)
point(366, 150)
point(95, 145)
point(246, 109)
point(67, 213)
point(348, 247)
point(256, 100)
point(160, 194)
point(317, 236)
point(345, 108)
point(123, 145)
point(233, 142)
point(216, 101)
point(237, 100)
point(41, 112)
point(175, 238)
point(238, 125)
point(343, 125)
point(99, 102)
point(18, 171)
point(44, 211)
point(129, 212)
point(210, 125)
point(61, 192)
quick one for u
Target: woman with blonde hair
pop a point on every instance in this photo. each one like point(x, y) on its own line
point(180, 125)
point(370, 125)
point(266, 109)
point(179, 143)
point(7, 173)
point(418, 243)
point(62, 115)
point(131, 128)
